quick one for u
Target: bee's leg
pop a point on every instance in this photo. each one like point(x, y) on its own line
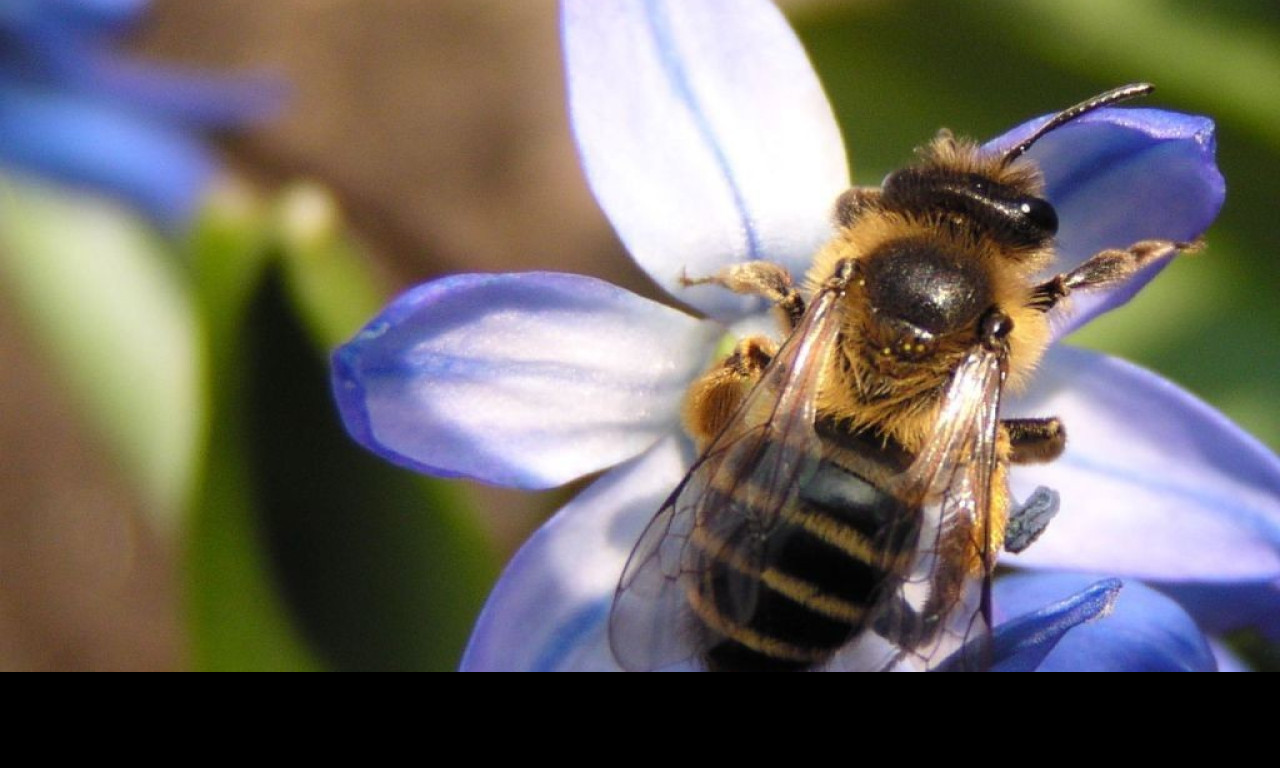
point(761, 278)
point(715, 397)
point(851, 205)
point(1028, 521)
point(1106, 268)
point(1035, 441)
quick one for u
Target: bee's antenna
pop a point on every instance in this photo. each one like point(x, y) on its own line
point(1113, 96)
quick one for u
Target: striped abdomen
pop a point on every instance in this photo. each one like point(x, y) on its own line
point(789, 598)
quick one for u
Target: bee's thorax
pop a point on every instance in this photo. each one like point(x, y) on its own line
point(921, 285)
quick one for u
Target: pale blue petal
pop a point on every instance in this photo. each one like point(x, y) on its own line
point(1154, 483)
point(87, 15)
point(96, 13)
point(198, 100)
point(72, 111)
point(1021, 644)
point(1145, 632)
point(529, 380)
point(1118, 176)
point(705, 135)
point(46, 54)
point(102, 147)
point(550, 610)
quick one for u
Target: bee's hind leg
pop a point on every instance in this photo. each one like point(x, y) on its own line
point(714, 398)
point(1035, 441)
point(759, 278)
point(1030, 519)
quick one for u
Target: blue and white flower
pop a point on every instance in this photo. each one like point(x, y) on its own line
point(74, 111)
point(708, 140)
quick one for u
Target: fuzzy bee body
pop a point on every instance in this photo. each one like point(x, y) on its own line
point(851, 498)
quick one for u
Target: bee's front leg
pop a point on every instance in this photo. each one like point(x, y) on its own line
point(1105, 268)
point(759, 278)
point(714, 398)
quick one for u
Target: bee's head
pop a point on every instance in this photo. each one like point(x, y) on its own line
point(1006, 207)
point(998, 195)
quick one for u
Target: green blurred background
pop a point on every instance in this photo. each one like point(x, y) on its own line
point(175, 490)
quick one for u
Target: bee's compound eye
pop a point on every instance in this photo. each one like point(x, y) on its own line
point(1041, 215)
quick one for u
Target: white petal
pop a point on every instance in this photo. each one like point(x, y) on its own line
point(528, 380)
point(705, 134)
point(550, 610)
point(1154, 483)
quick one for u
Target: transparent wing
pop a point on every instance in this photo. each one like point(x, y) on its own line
point(943, 606)
point(730, 500)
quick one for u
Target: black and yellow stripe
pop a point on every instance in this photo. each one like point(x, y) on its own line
point(789, 597)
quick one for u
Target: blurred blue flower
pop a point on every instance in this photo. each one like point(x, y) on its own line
point(707, 140)
point(74, 111)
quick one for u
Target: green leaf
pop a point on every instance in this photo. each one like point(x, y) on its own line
point(328, 278)
point(307, 552)
point(236, 616)
point(1195, 51)
point(108, 300)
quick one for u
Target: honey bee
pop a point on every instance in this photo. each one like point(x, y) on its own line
point(851, 494)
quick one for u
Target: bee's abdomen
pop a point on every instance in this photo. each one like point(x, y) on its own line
point(790, 599)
